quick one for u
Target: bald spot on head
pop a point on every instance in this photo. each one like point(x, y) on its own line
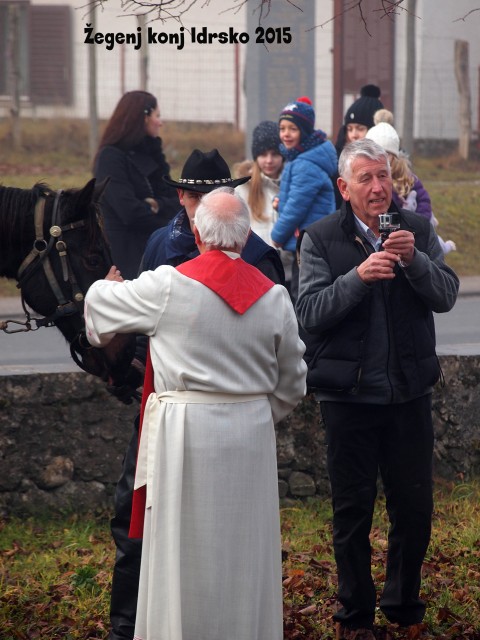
point(225, 206)
point(222, 220)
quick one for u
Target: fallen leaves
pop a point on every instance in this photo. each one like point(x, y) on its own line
point(55, 576)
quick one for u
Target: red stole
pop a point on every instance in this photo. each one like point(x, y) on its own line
point(240, 285)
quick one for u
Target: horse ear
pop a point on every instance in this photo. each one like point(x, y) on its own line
point(89, 194)
point(92, 192)
point(83, 196)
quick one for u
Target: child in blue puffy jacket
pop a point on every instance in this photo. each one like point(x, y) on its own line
point(306, 190)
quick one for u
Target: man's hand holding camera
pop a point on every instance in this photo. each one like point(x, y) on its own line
point(402, 243)
point(398, 248)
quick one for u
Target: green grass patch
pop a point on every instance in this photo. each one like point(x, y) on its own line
point(54, 578)
point(55, 573)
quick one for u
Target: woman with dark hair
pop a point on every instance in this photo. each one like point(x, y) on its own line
point(136, 201)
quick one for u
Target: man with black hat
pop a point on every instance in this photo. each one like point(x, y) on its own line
point(175, 243)
point(171, 245)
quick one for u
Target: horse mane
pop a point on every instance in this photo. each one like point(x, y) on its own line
point(14, 203)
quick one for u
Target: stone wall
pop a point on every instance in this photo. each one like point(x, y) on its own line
point(62, 439)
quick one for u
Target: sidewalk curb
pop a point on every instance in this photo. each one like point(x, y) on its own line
point(11, 306)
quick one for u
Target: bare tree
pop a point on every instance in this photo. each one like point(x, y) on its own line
point(14, 75)
point(141, 21)
point(175, 9)
point(409, 98)
point(92, 93)
point(385, 8)
point(463, 84)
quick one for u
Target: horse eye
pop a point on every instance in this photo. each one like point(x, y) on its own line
point(93, 261)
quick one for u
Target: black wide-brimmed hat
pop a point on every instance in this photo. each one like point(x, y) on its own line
point(204, 172)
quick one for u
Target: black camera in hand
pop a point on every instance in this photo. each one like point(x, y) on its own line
point(388, 222)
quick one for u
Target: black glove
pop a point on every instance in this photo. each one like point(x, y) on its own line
point(127, 388)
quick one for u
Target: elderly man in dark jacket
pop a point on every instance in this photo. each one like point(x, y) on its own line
point(365, 303)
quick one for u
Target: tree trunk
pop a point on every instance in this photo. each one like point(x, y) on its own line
point(141, 21)
point(463, 84)
point(92, 90)
point(13, 53)
point(409, 98)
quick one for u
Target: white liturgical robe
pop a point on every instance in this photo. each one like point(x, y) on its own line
point(211, 557)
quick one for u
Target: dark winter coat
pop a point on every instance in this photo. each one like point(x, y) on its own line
point(175, 244)
point(370, 343)
point(134, 176)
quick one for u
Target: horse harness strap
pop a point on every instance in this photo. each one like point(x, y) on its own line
point(39, 255)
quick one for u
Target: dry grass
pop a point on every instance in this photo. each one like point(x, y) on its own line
point(55, 573)
point(58, 149)
point(56, 152)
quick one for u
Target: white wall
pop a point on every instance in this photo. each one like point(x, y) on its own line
point(195, 83)
point(437, 101)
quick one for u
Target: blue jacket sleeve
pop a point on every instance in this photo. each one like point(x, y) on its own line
point(305, 181)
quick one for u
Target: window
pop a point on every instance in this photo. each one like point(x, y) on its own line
point(13, 47)
point(35, 44)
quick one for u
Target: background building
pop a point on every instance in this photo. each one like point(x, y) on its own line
point(45, 40)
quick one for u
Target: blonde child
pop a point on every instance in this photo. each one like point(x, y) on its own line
point(408, 190)
point(261, 190)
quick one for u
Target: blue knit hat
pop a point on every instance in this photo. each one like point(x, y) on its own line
point(302, 115)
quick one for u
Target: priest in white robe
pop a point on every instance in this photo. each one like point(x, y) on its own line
point(226, 364)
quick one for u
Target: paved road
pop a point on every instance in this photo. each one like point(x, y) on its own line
point(45, 350)
point(458, 331)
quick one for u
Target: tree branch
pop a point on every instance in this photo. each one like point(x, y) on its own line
point(389, 8)
point(174, 9)
point(466, 15)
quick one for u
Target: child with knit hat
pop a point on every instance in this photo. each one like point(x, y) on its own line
point(357, 121)
point(306, 190)
point(408, 190)
point(359, 116)
point(260, 191)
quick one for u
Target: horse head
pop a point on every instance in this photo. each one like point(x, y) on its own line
point(55, 247)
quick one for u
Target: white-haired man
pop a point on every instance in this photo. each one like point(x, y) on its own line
point(366, 301)
point(224, 370)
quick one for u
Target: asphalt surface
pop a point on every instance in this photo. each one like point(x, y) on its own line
point(46, 351)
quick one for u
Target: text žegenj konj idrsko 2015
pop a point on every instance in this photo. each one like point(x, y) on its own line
point(196, 35)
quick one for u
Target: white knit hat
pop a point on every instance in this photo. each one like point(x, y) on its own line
point(386, 136)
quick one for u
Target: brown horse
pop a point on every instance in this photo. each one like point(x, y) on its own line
point(53, 244)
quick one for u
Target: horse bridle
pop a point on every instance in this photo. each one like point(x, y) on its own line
point(39, 257)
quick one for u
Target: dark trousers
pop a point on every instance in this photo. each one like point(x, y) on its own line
point(396, 440)
point(126, 572)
